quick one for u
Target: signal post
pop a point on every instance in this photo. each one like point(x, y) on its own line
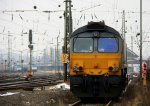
point(30, 72)
point(144, 74)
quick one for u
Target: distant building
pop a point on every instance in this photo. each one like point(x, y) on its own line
point(133, 61)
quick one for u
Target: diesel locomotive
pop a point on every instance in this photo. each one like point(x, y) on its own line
point(98, 62)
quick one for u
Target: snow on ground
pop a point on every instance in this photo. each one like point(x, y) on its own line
point(63, 86)
point(9, 93)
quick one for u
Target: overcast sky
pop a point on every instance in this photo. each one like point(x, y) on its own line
point(46, 27)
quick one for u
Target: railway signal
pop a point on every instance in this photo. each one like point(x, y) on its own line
point(30, 36)
point(144, 70)
point(65, 58)
point(144, 73)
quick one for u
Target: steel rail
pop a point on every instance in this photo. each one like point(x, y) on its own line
point(75, 103)
point(108, 104)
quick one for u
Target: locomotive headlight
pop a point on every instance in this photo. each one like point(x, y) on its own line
point(110, 68)
point(75, 68)
point(80, 68)
point(115, 68)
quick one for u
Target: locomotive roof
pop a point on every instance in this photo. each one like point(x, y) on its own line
point(95, 26)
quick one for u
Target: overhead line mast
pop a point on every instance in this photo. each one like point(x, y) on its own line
point(9, 66)
point(141, 39)
point(123, 25)
point(67, 32)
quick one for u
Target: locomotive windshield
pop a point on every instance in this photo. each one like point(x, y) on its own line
point(83, 45)
point(108, 45)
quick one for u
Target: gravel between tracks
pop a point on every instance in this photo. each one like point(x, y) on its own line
point(38, 98)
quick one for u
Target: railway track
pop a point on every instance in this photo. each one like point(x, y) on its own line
point(22, 84)
point(77, 103)
point(109, 103)
point(80, 103)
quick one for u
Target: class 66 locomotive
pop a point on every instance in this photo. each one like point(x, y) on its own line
point(98, 65)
